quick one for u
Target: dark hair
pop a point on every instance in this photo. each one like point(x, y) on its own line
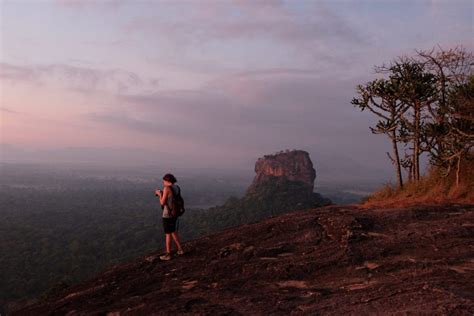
point(170, 178)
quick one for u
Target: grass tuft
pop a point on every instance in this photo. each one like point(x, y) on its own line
point(433, 188)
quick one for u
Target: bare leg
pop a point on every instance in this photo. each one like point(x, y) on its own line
point(176, 240)
point(168, 243)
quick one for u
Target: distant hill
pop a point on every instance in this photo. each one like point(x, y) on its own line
point(283, 182)
point(332, 260)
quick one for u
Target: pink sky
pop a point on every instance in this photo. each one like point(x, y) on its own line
point(208, 83)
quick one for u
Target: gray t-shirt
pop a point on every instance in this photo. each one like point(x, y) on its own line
point(166, 208)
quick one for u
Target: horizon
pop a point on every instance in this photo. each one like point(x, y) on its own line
point(204, 85)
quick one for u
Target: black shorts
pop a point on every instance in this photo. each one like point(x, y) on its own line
point(169, 225)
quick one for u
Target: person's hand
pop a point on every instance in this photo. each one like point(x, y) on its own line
point(158, 192)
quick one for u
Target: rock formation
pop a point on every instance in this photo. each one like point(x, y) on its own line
point(294, 165)
point(281, 185)
point(283, 182)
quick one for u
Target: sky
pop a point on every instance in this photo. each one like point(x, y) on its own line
point(205, 84)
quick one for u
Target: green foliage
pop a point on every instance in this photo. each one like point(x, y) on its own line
point(277, 195)
point(51, 238)
point(54, 237)
point(426, 103)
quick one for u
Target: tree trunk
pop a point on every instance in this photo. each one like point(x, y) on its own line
point(416, 142)
point(397, 160)
point(458, 171)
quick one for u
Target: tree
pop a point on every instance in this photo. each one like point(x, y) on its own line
point(381, 98)
point(425, 102)
point(449, 134)
point(415, 89)
point(459, 138)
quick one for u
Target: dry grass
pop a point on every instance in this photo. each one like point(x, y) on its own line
point(431, 189)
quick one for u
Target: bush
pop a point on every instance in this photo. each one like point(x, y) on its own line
point(433, 187)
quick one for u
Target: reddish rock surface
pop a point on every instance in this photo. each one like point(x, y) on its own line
point(294, 165)
point(333, 260)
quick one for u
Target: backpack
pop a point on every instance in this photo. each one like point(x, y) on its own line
point(177, 204)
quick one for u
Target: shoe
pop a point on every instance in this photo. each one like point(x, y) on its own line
point(180, 252)
point(165, 257)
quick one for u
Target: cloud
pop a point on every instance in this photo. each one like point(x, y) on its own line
point(83, 4)
point(279, 71)
point(13, 72)
point(3, 109)
point(237, 20)
point(222, 37)
point(78, 78)
point(249, 112)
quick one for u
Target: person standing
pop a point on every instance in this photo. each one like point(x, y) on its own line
point(170, 190)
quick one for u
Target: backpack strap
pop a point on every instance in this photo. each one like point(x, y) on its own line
point(166, 202)
point(173, 193)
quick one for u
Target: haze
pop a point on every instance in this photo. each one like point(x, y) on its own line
point(205, 84)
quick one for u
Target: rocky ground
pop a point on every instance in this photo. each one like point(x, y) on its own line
point(333, 260)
